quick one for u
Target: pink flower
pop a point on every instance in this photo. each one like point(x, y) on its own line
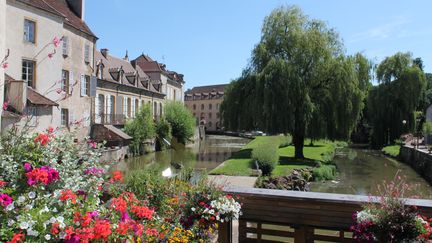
point(27, 167)
point(5, 65)
point(92, 144)
point(56, 41)
point(6, 105)
point(50, 55)
point(5, 200)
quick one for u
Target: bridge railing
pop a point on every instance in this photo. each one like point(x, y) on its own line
point(290, 216)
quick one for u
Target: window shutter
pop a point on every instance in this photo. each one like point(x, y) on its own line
point(119, 105)
point(71, 82)
point(93, 84)
point(65, 46)
point(83, 85)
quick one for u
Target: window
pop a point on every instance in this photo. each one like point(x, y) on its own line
point(210, 115)
point(210, 124)
point(217, 106)
point(210, 106)
point(29, 31)
point(64, 117)
point(129, 106)
point(32, 113)
point(217, 115)
point(126, 107)
point(65, 81)
point(194, 106)
point(100, 71)
point(87, 53)
point(85, 85)
point(160, 109)
point(202, 106)
point(65, 46)
point(133, 108)
point(28, 72)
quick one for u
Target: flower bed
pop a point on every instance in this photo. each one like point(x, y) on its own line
point(390, 219)
point(55, 189)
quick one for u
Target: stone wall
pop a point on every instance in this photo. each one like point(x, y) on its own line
point(420, 161)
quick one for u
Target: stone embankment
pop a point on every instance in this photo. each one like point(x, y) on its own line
point(419, 160)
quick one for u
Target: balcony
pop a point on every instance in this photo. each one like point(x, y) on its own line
point(109, 119)
point(300, 217)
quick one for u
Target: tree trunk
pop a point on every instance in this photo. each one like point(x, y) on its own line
point(298, 139)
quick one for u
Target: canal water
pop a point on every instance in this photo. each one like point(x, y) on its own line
point(361, 171)
point(205, 155)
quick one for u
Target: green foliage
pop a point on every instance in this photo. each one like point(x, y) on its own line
point(299, 81)
point(324, 172)
point(181, 120)
point(163, 131)
point(141, 128)
point(395, 99)
point(392, 150)
point(427, 128)
point(266, 156)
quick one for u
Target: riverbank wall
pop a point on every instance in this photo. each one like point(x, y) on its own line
point(420, 161)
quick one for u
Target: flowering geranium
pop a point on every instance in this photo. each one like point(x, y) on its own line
point(5, 200)
point(45, 175)
point(42, 138)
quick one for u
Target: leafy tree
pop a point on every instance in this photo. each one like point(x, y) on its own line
point(141, 128)
point(181, 120)
point(395, 99)
point(299, 81)
point(163, 132)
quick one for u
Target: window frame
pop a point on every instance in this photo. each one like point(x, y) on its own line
point(64, 117)
point(33, 80)
point(64, 85)
point(34, 31)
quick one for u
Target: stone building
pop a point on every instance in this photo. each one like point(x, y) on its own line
point(172, 83)
point(122, 89)
point(204, 102)
point(50, 65)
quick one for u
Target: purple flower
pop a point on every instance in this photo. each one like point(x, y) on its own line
point(27, 167)
point(125, 217)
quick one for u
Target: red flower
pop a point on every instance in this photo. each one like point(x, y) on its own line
point(68, 195)
point(55, 228)
point(123, 228)
point(44, 175)
point(202, 204)
point(117, 176)
point(3, 183)
point(42, 138)
point(50, 130)
point(102, 229)
point(119, 204)
point(152, 232)
point(142, 212)
point(17, 238)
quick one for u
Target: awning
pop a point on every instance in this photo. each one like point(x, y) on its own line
point(37, 99)
point(118, 132)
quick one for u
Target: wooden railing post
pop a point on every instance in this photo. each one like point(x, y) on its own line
point(225, 232)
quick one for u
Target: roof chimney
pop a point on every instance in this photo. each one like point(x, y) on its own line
point(126, 58)
point(78, 7)
point(104, 52)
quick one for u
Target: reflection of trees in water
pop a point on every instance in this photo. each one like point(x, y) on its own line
point(352, 154)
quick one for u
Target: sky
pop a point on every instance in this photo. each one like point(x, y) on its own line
point(210, 42)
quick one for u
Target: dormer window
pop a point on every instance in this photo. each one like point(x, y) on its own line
point(115, 73)
point(100, 68)
point(145, 83)
point(131, 77)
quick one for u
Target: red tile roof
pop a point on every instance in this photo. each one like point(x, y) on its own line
point(207, 89)
point(37, 99)
point(61, 8)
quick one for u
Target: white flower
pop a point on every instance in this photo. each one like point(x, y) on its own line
point(10, 207)
point(32, 195)
point(32, 232)
point(47, 237)
point(52, 220)
point(24, 225)
point(55, 210)
point(60, 219)
point(366, 215)
point(193, 209)
point(21, 199)
point(10, 222)
point(28, 206)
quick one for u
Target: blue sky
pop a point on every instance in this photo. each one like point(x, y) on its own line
point(210, 42)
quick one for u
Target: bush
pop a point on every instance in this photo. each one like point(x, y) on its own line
point(267, 157)
point(141, 128)
point(181, 120)
point(285, 141)
point(163, 131)
point(324, 172)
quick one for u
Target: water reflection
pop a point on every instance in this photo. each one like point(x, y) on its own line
point(206, 155)
point(361, 171)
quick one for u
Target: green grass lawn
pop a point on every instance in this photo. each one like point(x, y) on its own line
point(241, 163)
point(392, 150)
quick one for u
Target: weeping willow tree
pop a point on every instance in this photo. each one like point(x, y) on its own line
point(401, 83)
point(299, 81)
